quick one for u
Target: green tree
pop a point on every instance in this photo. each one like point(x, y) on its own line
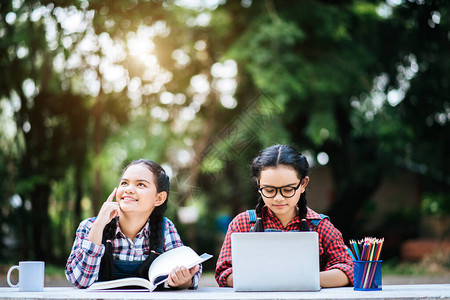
point(363, 81)
point(81, 70)
point(50, 122)
point(201, 89)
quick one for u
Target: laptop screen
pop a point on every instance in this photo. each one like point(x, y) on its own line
point(275, 261)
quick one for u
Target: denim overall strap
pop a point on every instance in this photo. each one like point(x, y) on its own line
point(316, 222)
point(122, 269)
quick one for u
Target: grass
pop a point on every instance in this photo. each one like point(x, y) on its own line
point(406, 269)
point(437, 264)
point(52, 270)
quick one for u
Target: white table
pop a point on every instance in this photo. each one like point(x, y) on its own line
point(425, 291)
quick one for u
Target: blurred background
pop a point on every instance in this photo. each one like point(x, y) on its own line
point(361, 88)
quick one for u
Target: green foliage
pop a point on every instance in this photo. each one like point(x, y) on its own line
point(265, 47)
point(436, 204)
point(336, 78)
point(79, 104)
point(321, 128)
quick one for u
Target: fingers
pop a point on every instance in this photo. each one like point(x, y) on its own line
point(111, 196)
point(180, 276)
point(194, 270)
point(115, 212)
point(109, 210)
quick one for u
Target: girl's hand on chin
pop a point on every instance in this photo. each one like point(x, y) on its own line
point(109, 210)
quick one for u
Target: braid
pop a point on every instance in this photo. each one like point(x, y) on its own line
point(156, 218)
point(259, 207)
point(106, 263)
point(156, 223)
point(256, 169)
point(302, 210)
point(259, 226)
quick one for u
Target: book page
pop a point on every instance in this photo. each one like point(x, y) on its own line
point(181, 256)
point(124, 282)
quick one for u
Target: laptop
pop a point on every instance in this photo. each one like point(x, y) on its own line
point(275, 261)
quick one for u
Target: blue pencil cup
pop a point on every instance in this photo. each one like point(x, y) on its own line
point(367, 275)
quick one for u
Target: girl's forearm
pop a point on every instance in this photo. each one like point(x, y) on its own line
point(230, 280)
point(96, 233)
point(333, 278)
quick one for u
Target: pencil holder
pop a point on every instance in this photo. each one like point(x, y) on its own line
point(367, 275)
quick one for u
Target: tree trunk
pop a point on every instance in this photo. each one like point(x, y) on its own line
point(42, 231)
point(357, 171)
point(78, 194)
point(97, 189)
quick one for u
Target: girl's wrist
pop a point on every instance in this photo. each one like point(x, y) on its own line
point(100, 223)
point(186, 285)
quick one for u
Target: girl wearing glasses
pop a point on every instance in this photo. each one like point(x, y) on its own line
point(281, 175)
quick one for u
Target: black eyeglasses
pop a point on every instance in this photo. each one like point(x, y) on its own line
point(287, 191)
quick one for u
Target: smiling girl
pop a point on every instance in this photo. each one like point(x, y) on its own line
point(129, 233)
point(280, 173)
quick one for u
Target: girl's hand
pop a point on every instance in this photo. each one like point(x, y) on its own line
point(230, 280)
point(109, 210)
point(181, 277)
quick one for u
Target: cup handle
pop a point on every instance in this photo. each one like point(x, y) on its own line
point(9, 274)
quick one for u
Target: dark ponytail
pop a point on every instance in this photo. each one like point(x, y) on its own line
point(155, 221)
point(272, 157)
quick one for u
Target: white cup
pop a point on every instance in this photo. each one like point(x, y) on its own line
point(31, 276)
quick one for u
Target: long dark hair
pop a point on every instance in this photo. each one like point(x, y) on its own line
point(281, 155)
point(155, 220)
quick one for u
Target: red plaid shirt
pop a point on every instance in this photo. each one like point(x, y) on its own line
point(332, 252)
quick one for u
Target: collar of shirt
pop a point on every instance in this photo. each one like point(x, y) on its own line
point(269, 215)
point(144, 232)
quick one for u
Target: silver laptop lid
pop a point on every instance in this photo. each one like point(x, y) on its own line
point(275, 261)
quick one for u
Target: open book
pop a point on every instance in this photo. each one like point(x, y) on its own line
point(159, 270)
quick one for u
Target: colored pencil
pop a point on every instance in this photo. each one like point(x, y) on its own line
point(369, 250)
point(350, 252)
